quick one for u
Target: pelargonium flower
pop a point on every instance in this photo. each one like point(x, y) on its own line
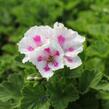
point(35, 37)
point(71, 43)
point(48, 58)
point(49, 49)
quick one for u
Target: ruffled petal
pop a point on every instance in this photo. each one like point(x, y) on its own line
point(26, 45)
point(40, 57)
point(34, 38)
point(72, 49)
point(72, 62)
point(69, 40)
point(65, 36)
point(44, 70)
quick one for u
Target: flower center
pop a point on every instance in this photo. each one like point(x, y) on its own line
point(50, 59)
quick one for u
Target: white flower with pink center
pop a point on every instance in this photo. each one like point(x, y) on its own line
point(48, 59)
point(35, 37)
point(71, 43)
point(49, 49)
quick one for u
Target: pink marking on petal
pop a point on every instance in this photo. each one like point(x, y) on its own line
point(37, 39)
point(70, 49)
point(69, 59)
point(40, 58)
point(61, 39)
point(30, 48)
point(46, 68)
point(55, 64)
point(47, 50)
point(56, 53)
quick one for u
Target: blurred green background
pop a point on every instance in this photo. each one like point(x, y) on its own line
point(89, 17)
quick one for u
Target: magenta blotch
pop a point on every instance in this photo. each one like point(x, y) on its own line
point(30, 48)
point(71, 49)
point(56, 53)
point(46, 68)
point(61, 39)
point(55, 64)
point(37, 39)
point(40, 58)
point(69, 59)
point(47, 50)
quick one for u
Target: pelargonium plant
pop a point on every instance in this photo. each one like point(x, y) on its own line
point(50, 49)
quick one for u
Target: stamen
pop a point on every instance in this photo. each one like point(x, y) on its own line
point(50, 59)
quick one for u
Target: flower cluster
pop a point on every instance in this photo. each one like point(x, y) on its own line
point(49, 49)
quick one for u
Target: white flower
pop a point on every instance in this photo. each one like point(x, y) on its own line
point(48, 58)
point(71, 43)
point(35, 37)
point(49, 49)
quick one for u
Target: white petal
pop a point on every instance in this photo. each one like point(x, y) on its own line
point(45, 74)
point(41, 64)
point(40, 30)
point(59, 59)
point(56, 46)
point(58, 25)
point(37, 52)
point(67, 35)
point(73, 62)
point(24, 44)
point(44, 32)
point(59, 28)
point(70, 38)
point(72, 49)
point(78, 38)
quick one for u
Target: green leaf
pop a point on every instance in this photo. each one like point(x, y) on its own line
point(12, 88)
point(69, 5)
point(102, 86)
point(105, 104)
point(89, 101)
point(93, 63)
point(9, 48)
point(34, 98)
point(89, 79)
point(104, 95)
point(61, 91)
point(5, 93)
point(98, 76)
point(98, 48)
point(100, 30)
point(5, 105)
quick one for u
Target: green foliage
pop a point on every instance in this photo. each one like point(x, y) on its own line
point(10, 91)
point(86, 87)
point(61, 91)
point(89, 79)
point(34, 97)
